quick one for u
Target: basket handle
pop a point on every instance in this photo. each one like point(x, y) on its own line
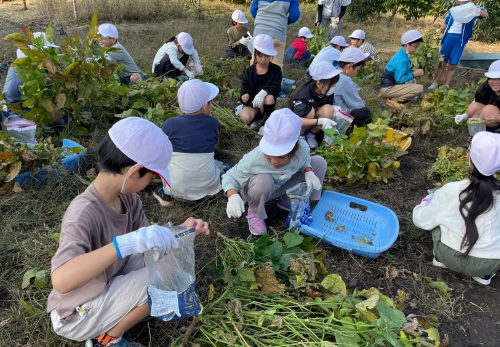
point(356, 206)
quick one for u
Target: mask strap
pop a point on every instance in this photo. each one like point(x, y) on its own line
point(125, 179)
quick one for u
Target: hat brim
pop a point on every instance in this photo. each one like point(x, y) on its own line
point(309, 36)
point(273, 150)
point(269, 52)
point(331, 75)
point(164, 175)
point(238, 21)
point(492, 74)
point(188, 51)
point(214, 90)
point(355, 37)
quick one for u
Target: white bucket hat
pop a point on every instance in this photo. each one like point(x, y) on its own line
point(193, 94)
point(239, 16)
point(353, 55)
point(358, 34)
point(485, 152)
point(339, 41)
point(186, 42)
point(281, 132)
point(323, 70)
point(494, 70)
point(264, 44)
point(144, 143)
point(305, 32)
point(46, 44)
point(410, 36)
point(108, 30)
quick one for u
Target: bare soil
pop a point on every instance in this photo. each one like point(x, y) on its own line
point(469, 317)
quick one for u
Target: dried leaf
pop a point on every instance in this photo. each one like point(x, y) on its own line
point(390, 272)
point(266, 277)
point(16, 168)
point(60, 100)
point(364, 306)
point(211, 292)
point(334, 284)
point(49, 65)
point(425, 125)
point(17, 188)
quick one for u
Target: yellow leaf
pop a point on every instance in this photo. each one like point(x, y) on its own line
point(48, 105)
point(49, 65)
point(16, 168)
point(60, 100)
point(211, 292)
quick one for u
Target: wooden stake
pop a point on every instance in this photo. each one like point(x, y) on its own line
point(74, 10)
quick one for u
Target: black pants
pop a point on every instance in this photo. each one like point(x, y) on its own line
point(361, 116)
point(238, 51)
point(167, 69)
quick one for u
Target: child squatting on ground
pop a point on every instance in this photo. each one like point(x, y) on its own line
point(172, 58)
point(313, 101)
point(358, 40)
point(464, 216)
point(281, 161)
point(260, 84)
point(238, 36)
point(108, 37)
point(194, 134)
point(486, 103)
point(297, 52)
point(98, 275)
point(346, 96)
point(398, 79)
point(457, 29)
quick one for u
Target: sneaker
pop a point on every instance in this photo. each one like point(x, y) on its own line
point(284, 203)
point(163, 198)
point(432, 86)
point(256, 225)
point(311, 140)
point(486, 280)
point(437, 263)
point(121, 343)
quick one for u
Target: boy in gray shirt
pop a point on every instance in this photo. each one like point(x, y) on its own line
point(109, 38)
point(346, 91)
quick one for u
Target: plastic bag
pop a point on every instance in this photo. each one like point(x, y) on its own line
point(20, 128)
point(342, 119)
point(300, 205)
point(172, 293)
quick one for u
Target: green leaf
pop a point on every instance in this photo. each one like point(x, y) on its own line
point(364, 306)
point(28, 275)
point(246, 275)
point(438, 285)
point(334, 284)
point(392, 318)
point(392, 338)
point(275, 250)
point(40, 280)
point(30, 311)
point(292, 239)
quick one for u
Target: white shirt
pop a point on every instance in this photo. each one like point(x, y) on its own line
point(331, 8)
point(443, 211)
point(456, 28)
point(173, 53)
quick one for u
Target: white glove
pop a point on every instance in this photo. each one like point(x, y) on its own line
point(244, 41)
point(459, 118)
point(154, 237)
point(312, 180)
point(427, 200)
point(189, 74)
point(198, 69)
point(259, 99)
point(326, 123)
point(235, 206)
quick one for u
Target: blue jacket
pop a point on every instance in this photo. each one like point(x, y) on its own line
point(397, 70)
point(273, 16)
point(467, 29)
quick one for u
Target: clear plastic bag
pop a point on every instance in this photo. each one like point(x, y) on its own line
point(342, 119)
point(172, 295)
point(300, 205)
point(20, 128)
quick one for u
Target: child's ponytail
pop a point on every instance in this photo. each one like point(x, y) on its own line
point(477, 198)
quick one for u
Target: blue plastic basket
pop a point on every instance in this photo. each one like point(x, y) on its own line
point(354, 224)
point(70, 163)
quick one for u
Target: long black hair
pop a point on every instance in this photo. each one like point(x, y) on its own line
point(477, 198)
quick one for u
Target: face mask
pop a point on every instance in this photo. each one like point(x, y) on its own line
point(331, 90)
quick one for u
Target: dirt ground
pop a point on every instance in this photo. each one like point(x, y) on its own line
point(470, 316)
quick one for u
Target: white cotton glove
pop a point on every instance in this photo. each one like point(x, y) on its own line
point(259, 99)
point(459, 118)
point(198, 69)
point(155, 237)
point(235, 206)
point(244, 41)
point(427, 200)
point(189, 74)
point(326, 123)
point(312, 181)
